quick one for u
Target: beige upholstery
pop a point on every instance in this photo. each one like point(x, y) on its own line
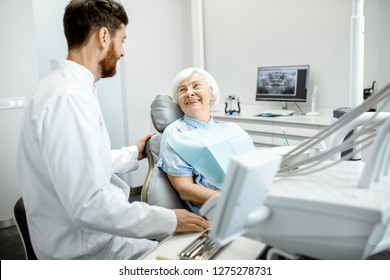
point(157, 190)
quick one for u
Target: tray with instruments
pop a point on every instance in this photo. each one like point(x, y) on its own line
point(202, 248)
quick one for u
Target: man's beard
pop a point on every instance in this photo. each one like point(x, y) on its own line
point(108, 64)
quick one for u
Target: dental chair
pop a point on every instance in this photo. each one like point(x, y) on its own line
point(157, 190)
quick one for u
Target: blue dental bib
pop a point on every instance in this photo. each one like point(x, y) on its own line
point(209, 148)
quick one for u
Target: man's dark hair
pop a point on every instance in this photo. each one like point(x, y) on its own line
point(83, 17)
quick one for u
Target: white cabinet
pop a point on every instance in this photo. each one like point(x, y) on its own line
point(269, 131)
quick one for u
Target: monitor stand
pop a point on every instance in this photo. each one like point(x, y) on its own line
point(285, 107)
point(278, 112)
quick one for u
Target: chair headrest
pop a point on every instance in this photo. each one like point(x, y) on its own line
point(164, 111)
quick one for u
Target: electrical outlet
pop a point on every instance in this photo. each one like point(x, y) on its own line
point(12, 103)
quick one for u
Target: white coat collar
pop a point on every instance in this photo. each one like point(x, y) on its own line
point(80, 72)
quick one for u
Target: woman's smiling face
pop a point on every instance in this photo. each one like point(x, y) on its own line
point(195, 97)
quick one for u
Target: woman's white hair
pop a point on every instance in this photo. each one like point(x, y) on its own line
point(207, 78)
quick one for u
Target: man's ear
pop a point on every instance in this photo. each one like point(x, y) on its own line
point(104, 37)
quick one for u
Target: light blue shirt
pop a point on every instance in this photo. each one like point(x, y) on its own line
point(203, 153)
point(171, 163)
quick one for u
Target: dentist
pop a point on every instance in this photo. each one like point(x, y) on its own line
point(76, 208)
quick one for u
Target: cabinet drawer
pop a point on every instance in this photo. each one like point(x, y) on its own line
point(255, 126)
point(301, 131)
point(261, 139)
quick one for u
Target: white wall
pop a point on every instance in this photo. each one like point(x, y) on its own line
point(18, 76)
point(242, 35)
point(157, 48)
point(49, 34)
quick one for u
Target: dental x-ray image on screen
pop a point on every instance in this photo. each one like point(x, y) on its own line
point(282, 83)
point(277, 82)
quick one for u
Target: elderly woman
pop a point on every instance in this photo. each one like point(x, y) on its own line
point(195, 150)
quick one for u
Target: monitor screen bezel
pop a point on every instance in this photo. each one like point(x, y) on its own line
point(240, 204)
point(300, 87)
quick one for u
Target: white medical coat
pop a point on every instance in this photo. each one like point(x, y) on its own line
point(73, 209)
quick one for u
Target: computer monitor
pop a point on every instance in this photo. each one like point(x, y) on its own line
point(282, 83)
point(240, 205)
